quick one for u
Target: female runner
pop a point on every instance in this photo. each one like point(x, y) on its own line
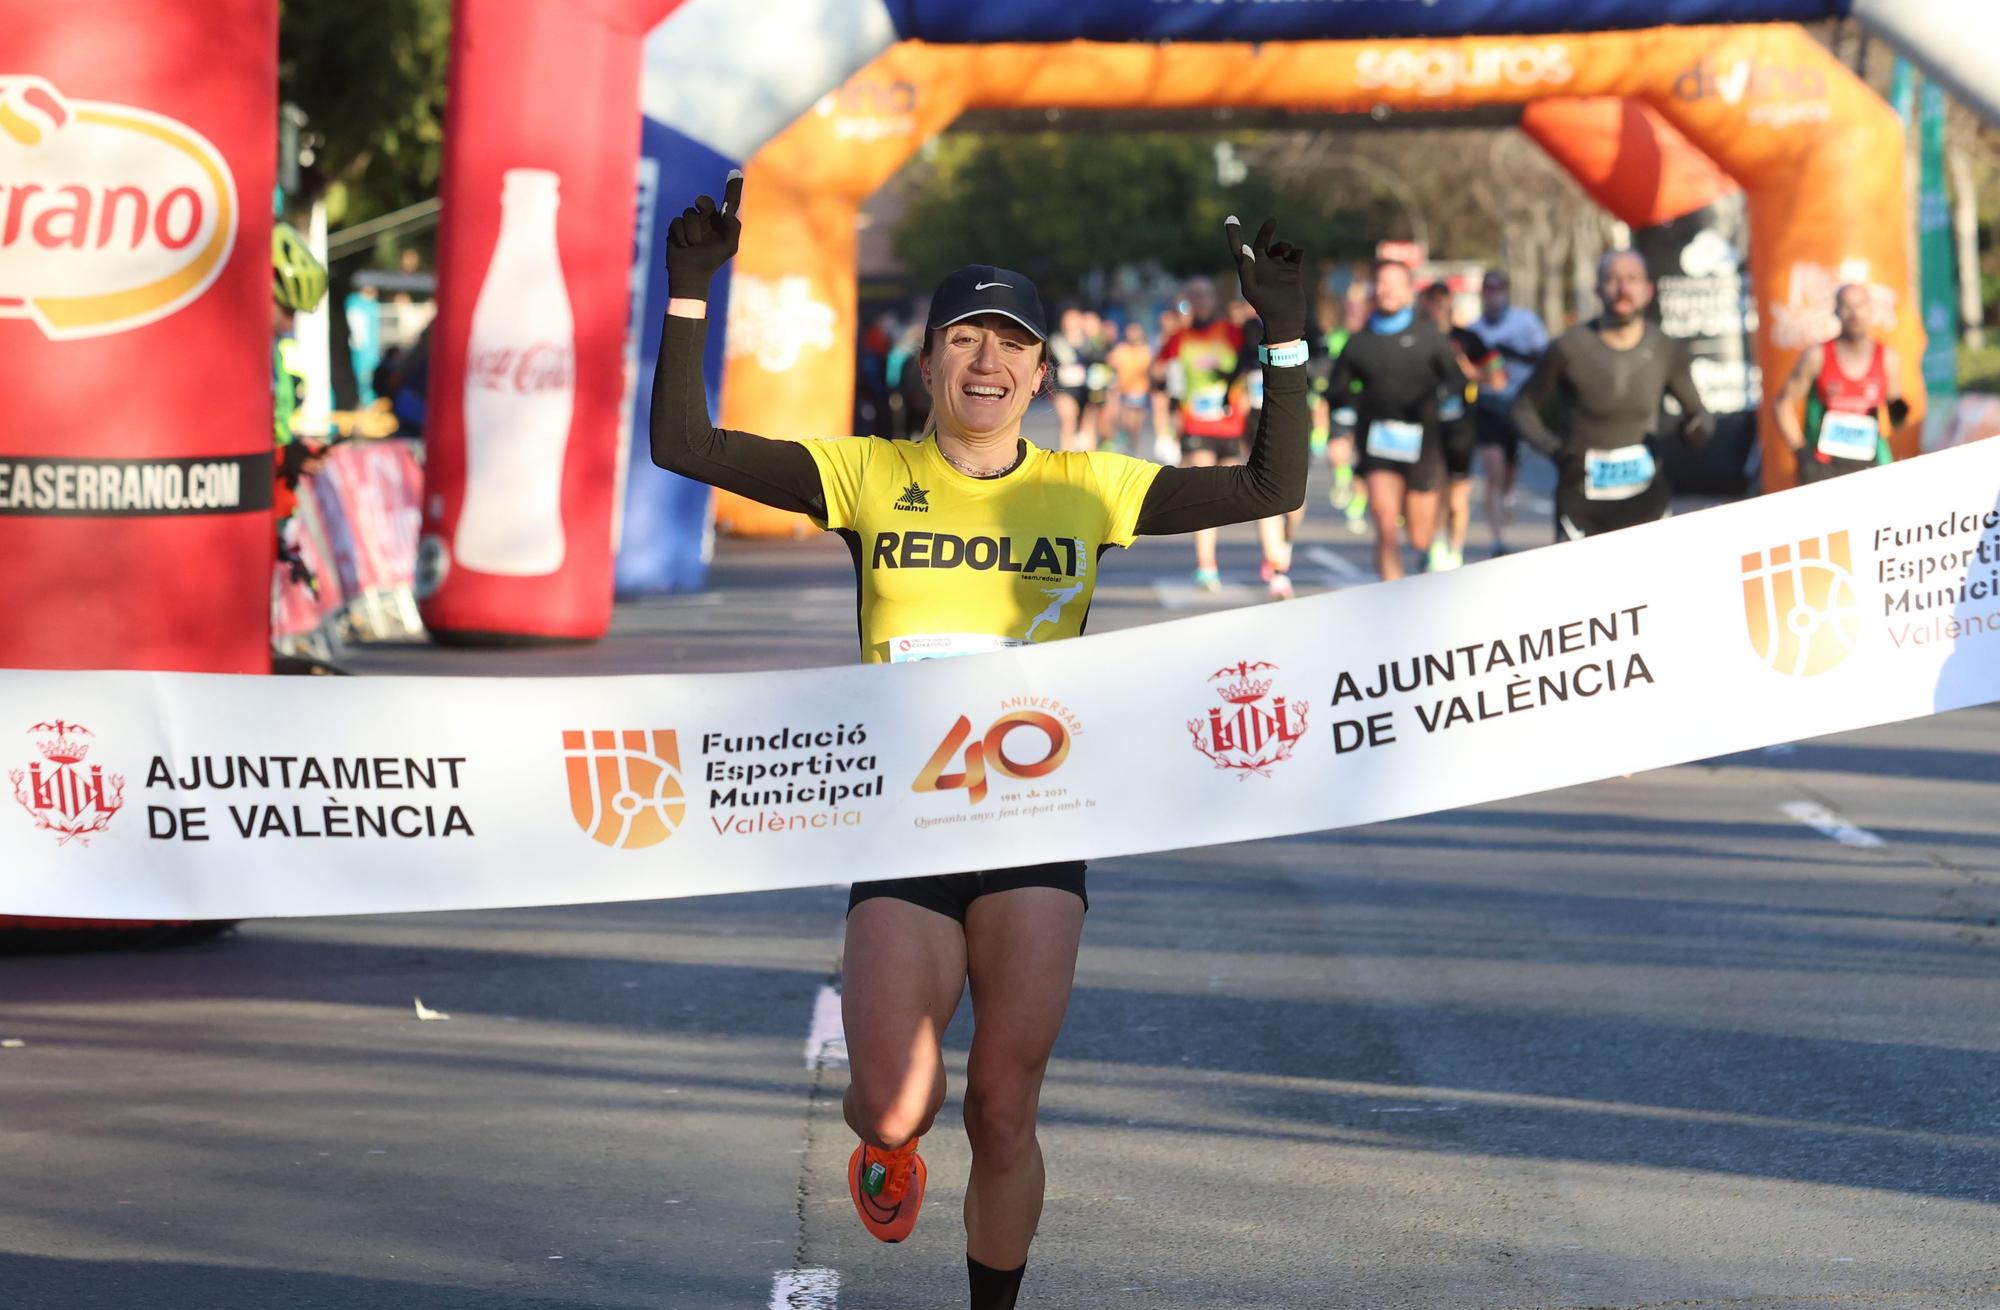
point(913, 944)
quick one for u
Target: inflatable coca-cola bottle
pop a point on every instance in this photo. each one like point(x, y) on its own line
point(520, 391)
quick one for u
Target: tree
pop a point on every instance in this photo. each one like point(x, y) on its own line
point(1525, 212)
point(1067, 208)
point(370, 76)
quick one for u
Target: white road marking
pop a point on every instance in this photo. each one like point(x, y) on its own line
point(805, 1289)
point(1339, 566)
point(1414, 1109)
point(826, 1043)
point(1829, 824)
point(1175, 594)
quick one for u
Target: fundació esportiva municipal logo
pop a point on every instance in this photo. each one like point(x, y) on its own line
point(625, 787)
point(1252, 730)
point(66, 794)
point(1802, 606)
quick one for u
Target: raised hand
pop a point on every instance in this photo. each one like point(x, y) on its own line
point(1273, 278)
point(702, 240)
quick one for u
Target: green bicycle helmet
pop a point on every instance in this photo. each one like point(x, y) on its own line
point(298, 279)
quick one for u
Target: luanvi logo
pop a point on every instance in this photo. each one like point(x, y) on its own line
point(914, 499)
point(625, 788)
point(111, 217)
point(1801, 605)
point(67, 796)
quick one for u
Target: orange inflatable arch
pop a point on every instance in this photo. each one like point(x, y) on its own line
point(1817, 151)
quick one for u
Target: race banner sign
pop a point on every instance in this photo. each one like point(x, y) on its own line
point(1865, 600)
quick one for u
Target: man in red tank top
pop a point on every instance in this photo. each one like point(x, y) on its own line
point(1844, 398)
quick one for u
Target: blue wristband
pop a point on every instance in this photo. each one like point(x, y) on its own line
point(1290, 355)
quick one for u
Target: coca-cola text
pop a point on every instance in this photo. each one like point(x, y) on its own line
point(522, 369)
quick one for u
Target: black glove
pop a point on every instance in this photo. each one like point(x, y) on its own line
point(702, 239)
point(1273, 278)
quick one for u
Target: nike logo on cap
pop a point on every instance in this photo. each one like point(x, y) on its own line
point(981, 286)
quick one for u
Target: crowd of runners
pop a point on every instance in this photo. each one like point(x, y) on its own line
point(1414, 398)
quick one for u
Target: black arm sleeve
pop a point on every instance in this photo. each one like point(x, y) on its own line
point(776, 473)
point(1273, 481)
point(1533, 401)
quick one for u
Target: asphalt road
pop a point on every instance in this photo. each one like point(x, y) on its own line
point(1649, 1042)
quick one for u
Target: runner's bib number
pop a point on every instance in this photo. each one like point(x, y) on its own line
point(1401, 442)
point(944, 645)
point(1071, 375)
point(1451, 406)
point(1849, 436)
point(1617, 474)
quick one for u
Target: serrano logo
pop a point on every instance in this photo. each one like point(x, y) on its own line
point(1801, 604)
point(1027, 730)
point(625, 787)
point(1252, 730)
point(111, 217)
point(73, 800)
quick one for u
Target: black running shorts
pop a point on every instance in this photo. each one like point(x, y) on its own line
point(1227, 450)
point(1427, 473)
point(1458, 435)
point(1577, 516)
point(951, 893)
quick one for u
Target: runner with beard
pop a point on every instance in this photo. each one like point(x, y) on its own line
point(914, 515)
point(1399, 362)
point(1610, 375)
point(1847, 388)
point(1455, 429)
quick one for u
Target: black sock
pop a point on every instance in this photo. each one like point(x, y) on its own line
point(993, 1289)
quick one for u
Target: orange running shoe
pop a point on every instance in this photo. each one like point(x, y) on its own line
point(888, 1189)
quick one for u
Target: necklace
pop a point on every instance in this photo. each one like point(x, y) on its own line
point(1020, 453)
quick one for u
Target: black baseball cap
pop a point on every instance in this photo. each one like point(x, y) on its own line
point(983, 289)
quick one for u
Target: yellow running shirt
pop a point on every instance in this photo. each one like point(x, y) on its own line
point(956, 565)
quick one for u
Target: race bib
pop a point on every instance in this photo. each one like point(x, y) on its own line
point(1401, 442)
point(1451, 406)
point(1098, 377)
point(1255, 387)
point(1849, 436)
point(944, 645)
point(1617, 474)
point(1210, 403)
point(1071, 375)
